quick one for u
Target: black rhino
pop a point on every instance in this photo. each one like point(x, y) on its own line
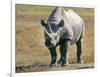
point(63, 28)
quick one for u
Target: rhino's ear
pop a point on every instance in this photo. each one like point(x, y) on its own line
point(61, 24)
point(43, 23)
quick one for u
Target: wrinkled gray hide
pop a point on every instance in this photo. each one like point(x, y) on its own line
point(63, 28)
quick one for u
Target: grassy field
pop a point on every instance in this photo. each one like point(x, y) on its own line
point(30, 50)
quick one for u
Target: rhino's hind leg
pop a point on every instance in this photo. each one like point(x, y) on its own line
point(53, 56)
point(79, 50)
point(60, 60)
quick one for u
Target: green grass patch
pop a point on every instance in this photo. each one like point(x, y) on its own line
point(30, 9)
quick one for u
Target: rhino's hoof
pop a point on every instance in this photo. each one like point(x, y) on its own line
point(53, 65)
point(65, 64)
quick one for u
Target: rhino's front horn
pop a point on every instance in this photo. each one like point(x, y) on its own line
point(49, 27)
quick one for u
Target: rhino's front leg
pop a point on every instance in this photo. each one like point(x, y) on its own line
point(64, 48)
point(53, 56)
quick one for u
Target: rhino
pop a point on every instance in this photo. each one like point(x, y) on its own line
point(63, 28)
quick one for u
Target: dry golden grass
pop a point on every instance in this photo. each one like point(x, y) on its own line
point(30, 47)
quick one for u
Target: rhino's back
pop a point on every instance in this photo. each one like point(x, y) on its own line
point(73, 25)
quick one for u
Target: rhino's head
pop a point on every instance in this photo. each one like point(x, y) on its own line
point(51, 37)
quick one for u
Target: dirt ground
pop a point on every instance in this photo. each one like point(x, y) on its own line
point(32, 55)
